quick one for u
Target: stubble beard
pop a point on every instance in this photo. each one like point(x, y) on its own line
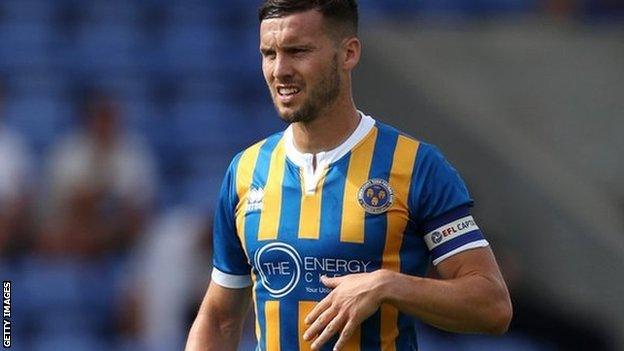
point(323, 95)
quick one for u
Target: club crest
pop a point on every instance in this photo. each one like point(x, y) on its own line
point(376, 196)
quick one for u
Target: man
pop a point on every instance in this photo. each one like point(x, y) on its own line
point(330, 226)
point(16, 183)
point(100, 176)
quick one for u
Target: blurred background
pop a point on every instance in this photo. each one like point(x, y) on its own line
point(119, 117)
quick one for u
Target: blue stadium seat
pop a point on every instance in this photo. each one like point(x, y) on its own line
point(74, 342)
point(193, 12)
point(389, 8)
point(112, 11)
point(243, 11)
point(25, 44)
point(216, 86)
point(143, 118)
point(445, 8)
point(83, 296)
point(108, 47)
point(194, 48)
point(246, 53)
point(40, 118)
point(202, 191)
point(210, 124)
point(28, 10)
point(31, 81)
point(262, 115)
point(128, 84)
point(170, 194)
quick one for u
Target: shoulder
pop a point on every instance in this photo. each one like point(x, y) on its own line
point(428, 160)
point(261, 146)
point(426, 153)
point(388, 133)
point(246, 159)
point(406, 143)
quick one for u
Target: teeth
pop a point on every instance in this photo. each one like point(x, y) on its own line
point(287, 91)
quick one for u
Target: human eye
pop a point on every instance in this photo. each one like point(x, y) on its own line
point(298, 51)
point(268, 53)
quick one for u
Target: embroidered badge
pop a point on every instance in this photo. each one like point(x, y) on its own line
point(376, 196)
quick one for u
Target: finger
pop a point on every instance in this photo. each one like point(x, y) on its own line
point(331, 282)
point(346, 334)
point(319, 324)
point(318, 309)
point(333, 327)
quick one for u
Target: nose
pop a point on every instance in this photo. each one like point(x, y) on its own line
point(282, 70)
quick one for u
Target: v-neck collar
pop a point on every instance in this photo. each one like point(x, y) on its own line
point(304, 161)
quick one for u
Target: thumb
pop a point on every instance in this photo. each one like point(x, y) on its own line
point(331, 282)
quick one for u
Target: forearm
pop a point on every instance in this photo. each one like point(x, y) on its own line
point(218, 324)
point(207, 335)
point(472, 303)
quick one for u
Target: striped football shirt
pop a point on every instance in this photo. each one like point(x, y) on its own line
point(380, 200)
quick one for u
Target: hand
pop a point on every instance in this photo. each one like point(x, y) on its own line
point(354, 298)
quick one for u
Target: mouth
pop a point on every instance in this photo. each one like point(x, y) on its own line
point(287, 93)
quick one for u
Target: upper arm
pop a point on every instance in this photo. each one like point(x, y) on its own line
point(475, 261)
point(459, 251)
point(482, 279)
point(225, 304)
point(231, 268)
point(440, 206)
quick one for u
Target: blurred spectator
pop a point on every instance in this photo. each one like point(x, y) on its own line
point(102, 181)
point(172, 271)
point(15, 185)
point(100, 191)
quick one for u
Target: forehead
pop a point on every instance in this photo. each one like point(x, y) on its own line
point(294, 28)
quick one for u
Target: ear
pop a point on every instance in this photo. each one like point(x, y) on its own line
point(352, 49)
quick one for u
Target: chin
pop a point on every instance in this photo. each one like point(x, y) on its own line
point(294, 115)
point(286, 116)
point(285, 113)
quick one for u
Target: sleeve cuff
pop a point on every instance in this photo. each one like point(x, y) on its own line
point(471, 245)
point(230, 280)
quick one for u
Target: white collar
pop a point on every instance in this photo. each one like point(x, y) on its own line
point(327, 157)
point(311, 175)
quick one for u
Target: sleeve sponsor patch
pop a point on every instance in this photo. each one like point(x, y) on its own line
point(453, 238)
point(450, 231)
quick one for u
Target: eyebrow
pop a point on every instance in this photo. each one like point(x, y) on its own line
point(300, 46)
point(265, 49)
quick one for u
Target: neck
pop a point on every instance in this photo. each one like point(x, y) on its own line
point(328, 130)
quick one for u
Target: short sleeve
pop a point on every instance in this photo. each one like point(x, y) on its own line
point(230, 266)
point(440, 205)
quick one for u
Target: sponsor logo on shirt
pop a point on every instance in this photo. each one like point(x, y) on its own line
point(254, 199)
point(282, 269)
point(450, 231)
point(279, 266)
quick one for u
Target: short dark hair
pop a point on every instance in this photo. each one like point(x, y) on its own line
point(342, 13)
